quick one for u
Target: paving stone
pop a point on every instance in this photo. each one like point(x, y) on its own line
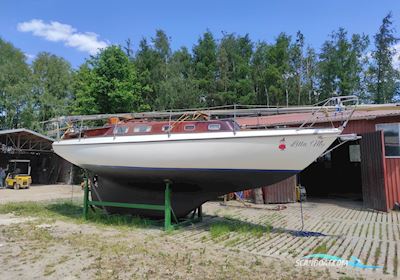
point(352, 231)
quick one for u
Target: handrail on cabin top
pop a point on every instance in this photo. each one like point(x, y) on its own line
point(336, 105)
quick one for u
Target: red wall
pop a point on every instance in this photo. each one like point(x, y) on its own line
point(281, 192)
point(391, 165)
point(364, 126)
point(392, 181)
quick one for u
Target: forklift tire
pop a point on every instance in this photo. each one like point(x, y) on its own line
point(16, 186)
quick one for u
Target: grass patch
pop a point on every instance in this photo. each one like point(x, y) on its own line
point(63, 259)
point(72, 212)
point(377, 253)
point(102, 218)
point(43, 210)
point(21, 208)
point(49, 269)
point(28, 231)
point(232, 242)
point(221, 228)
point(321, 249)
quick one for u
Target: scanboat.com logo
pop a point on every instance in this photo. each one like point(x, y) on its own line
point(329, 260)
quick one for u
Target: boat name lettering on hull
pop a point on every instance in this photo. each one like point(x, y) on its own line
point(302, 144)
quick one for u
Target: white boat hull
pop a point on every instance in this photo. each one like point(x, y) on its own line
point(246, 150)
point(200, 165)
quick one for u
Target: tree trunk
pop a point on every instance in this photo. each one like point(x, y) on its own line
point(266, 93)
point(298, 90)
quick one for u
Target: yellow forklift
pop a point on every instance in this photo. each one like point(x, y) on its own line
point(19, 174)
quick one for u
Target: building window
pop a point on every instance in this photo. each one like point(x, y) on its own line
point(142, 128)
point(214, 126)
point(121, 130)
point(354, 153)
point(189, 127)
point(391, 133)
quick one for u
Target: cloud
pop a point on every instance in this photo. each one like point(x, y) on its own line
point(59, 32)
point(29, 56)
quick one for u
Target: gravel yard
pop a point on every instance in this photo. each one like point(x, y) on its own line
point(40, 192)
point(50, 240)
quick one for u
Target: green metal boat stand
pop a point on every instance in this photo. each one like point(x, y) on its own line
point(197, 214)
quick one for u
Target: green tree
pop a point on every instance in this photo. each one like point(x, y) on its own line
point(162, 47)
point(205, 66)
point(145, 62)
point(128, 48)
point(277, 72)
point(259, 63)
point(327, 70)
point(297, 64)
point(16, 102)
point(179, 90)
point(52, 85)
point(341, 64)
point(383, 77)
point(234, 84)
point(310, 76)
point(271, 71)
point(108, 83)
point(152, 63)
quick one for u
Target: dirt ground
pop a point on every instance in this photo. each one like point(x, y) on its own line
point(52, 241)
point(40, 192)
point(39, 249)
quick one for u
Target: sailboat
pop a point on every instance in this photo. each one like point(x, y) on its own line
point(129, 159)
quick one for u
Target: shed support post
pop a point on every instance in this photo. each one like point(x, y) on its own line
point(86, 198)
point(167, 205)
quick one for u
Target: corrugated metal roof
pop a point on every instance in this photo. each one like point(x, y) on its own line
point(26, 131)
point(299, 118)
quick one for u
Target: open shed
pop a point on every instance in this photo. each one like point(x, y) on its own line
point(46, 166)
point(366, 169)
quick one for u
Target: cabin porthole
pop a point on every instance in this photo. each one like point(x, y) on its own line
point(214, 126)
point(142, 128)
point(121, 130)
point(189, 127)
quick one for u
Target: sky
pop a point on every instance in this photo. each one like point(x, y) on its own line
point(76, 29)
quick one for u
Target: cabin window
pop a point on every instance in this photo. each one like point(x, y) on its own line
point(214, 126)
point(166, 127)
point(189, 127)
point(391, 133)
point(142, 128)
point(121, 130)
